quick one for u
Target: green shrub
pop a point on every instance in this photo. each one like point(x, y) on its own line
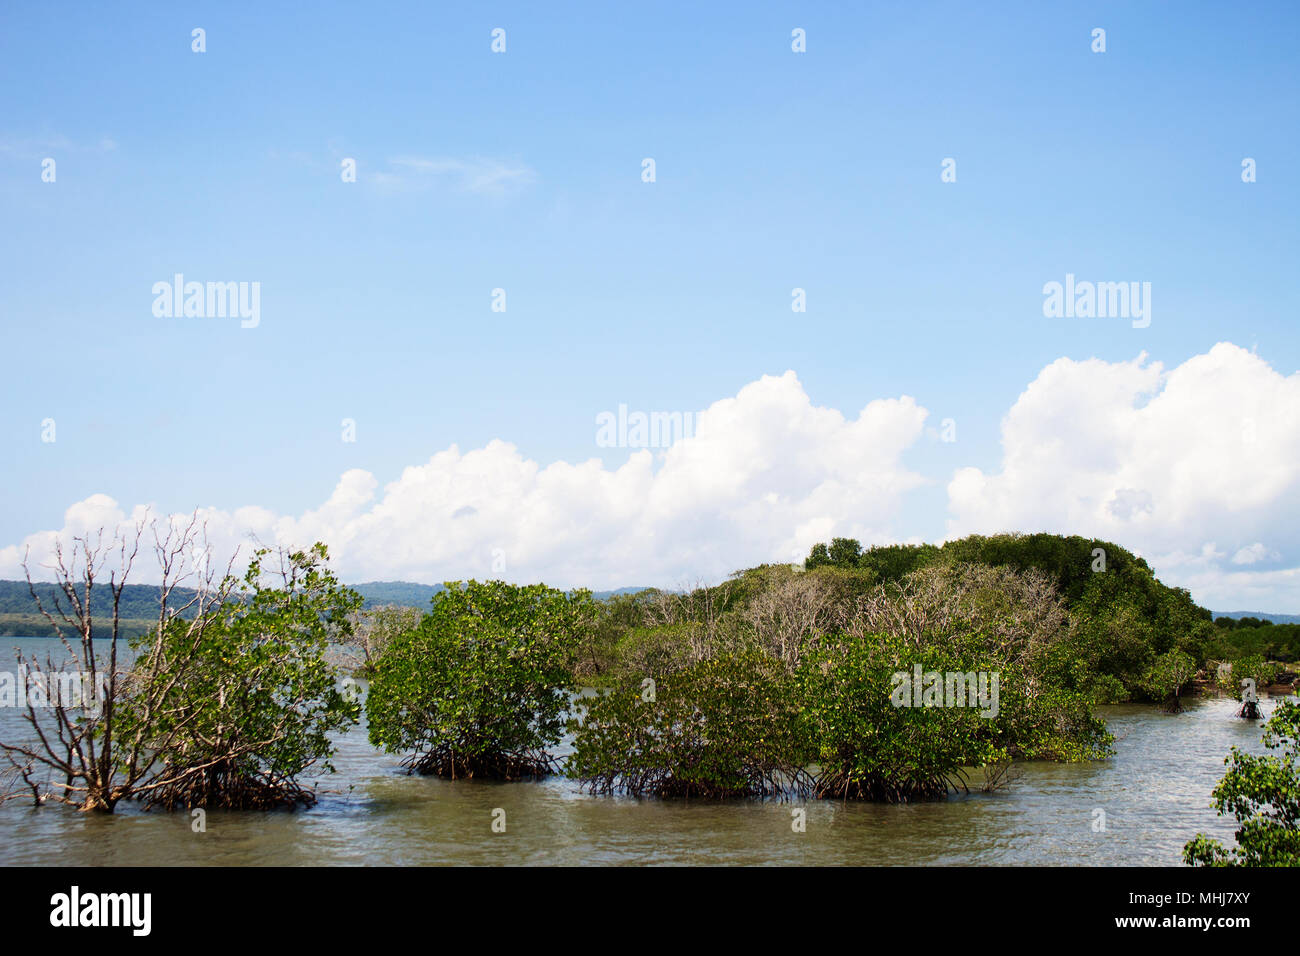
point(248, 702)
point(729, 726)
point(882, 735)
point(1169, 673)
point(481, 686)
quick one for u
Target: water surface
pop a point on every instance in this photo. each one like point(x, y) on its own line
point(1155, 793)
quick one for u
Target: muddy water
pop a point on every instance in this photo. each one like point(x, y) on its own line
point(1154, 792)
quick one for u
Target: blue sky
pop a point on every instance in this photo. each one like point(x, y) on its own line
point(775, 170)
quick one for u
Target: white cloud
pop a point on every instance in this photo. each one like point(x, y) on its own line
point(1173, 464)
point(765, 476)
point(490, 177)
point(1254, 554)
point(1197, 468)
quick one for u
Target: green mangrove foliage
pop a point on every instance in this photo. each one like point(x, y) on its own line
point(897, 720)
point(1121, 617)
point(825, 683)
point(1263, 794)
point(1242, 667)
point(727, 726)
point(253, 701)
point(1168, 675)
point(1235, 637)
point(1119, 620)
point(884, 732)
point(782, 680)
point(224, 701)
point(481, 686)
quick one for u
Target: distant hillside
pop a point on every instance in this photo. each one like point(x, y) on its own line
point(19, 615)
point(138, 600)
point(408, 594)
point(401, 593)
point(606, 595)
point(1275, 618)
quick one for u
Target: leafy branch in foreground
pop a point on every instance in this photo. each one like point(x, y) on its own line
point(1263, 793)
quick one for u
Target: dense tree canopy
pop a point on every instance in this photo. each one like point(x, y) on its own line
point(480, 686)
point(780, 678)
point(1123, 618)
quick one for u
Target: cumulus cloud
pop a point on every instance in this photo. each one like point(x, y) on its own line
point(765, 475)
point(1185, 466)
point(1196, 468)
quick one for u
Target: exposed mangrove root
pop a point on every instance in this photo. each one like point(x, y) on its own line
point(223, 786)
point(877, 789)
point(999, 775)
point(666, 785)
point(453, 765)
